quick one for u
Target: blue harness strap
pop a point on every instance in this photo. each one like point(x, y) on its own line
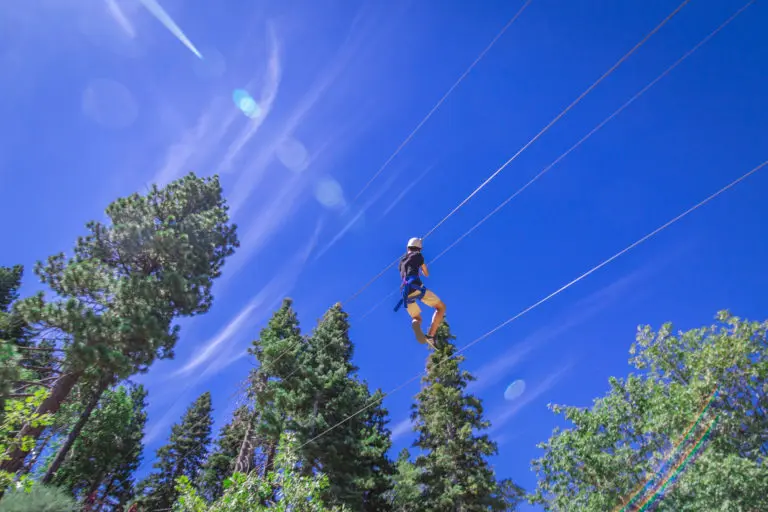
point(408, 288)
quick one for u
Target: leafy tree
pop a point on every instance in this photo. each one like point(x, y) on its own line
point(297, 493)
point(116, 298)
point(39, 498)
point(19, 412)
point(454, 469)
point(326, 394)
point(221, 461)
point(24, 364)
point(613, 446)
point(104, 458)
point(184, 455)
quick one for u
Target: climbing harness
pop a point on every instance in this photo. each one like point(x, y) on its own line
point(409, 286)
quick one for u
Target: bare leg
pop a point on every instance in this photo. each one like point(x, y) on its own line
point(437, 319)
point(416, 326)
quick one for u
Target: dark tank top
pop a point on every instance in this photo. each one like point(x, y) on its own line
point(410, 264)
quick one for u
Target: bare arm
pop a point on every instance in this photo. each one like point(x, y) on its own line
point(424, 270)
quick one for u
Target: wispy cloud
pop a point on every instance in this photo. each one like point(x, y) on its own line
point(247, 181)
point(402, 428)
point(201, 143)
point(212, 352)
point(579, 313)
point(120, 18)
point(407, 189)
point(266, 223)
point(266, 102)
point(228, 332)
point(504, 414)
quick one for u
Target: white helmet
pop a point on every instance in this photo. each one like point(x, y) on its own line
point(414, 242)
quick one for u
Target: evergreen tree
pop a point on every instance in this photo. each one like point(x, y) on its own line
point(327, 394)
point(10, 281)
point(407, 488)
point(273, 384)
point(115, 300)
point(221, 462)
point(184, 455)
point(107, 453)
point(375, 470)
point(454, 469)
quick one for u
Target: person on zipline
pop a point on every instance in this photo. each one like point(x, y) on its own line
point(413, 289)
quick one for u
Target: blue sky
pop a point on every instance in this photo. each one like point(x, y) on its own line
point(99, 99)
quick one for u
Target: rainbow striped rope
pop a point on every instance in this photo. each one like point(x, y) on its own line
point(679, 468)
point(673, 455)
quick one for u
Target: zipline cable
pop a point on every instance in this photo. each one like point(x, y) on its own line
point(442, 100)
point(536, 137)
point(577, 144)
point(555, 162)
point(548, 297)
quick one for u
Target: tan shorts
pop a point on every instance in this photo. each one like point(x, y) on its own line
point(429, 298)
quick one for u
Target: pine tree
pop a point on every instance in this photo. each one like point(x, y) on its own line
point(274, 383)
point(374, 479)
point(184, 455)
point(220, 464)
point(454, 469)
point(107, 453)
point(407, 489)
point(115, 300)
point(327, 394)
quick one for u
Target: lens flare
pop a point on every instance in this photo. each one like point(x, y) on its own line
point(328, 193)
point(293, 154)
point(246, 103)
point(514, 390)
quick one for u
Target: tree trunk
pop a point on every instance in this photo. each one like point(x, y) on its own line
point(244, 457)
point(50, 405)
point(270, 464)
point(75, 432)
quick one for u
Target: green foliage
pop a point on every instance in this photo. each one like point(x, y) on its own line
point(115, 299)
point(19, 369)
point(454, 470)
point(19, 412)
point(251, 493)
point(613, 446)
point(184, 455)
point(10, 281)
point(120, 291)
point(407, 490)
point(221, 461)
point(39, 498)
point(273, 386)
point(326, 393)
point(108, 451)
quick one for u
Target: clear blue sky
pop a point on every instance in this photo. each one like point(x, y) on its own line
point(99, 98)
